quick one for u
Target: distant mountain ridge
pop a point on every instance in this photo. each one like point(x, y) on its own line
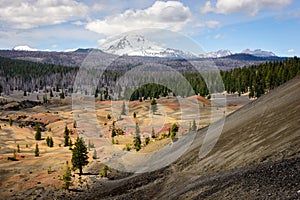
point(259, 53)
point(224, 53)
point(218, 54)
point(138, 45)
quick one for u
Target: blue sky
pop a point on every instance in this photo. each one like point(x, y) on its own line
point(216, 24)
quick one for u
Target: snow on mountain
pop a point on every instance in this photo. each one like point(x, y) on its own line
point(218, 54)
point(259, 53)
point(224, 53)
point(137, 45)
point(23, 48)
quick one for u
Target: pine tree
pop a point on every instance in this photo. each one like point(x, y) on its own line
point(51, 143)
point(147, 140)
point(10, 121)
point(153, 133)
point(194, 126)
point(66, 136)
point(137, 139)
point(38, 134)
point(67, 177)
point(134, 115)
point(45, 100)
point(51, 93)
point(79, 155)
point(36, 151)
point(62, 95)
point(174, 130)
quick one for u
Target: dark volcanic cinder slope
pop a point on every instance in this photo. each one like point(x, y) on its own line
point(256, 157)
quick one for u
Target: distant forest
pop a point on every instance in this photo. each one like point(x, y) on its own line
point(256, 79)
point(259, 79)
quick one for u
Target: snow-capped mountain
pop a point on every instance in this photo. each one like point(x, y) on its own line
point(224, 53)
point(23, 48)
point(137, 45)
point(259, 53)
point(218, 54)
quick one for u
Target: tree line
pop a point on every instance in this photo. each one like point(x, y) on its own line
point(113, 84)
point(259, 79)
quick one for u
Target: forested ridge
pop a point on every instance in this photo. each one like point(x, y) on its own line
point(30, 76)
point(256, 79)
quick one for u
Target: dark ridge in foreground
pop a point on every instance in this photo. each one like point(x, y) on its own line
point(273, 180)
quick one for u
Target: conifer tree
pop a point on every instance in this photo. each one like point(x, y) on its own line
point(137, 139)
point(79, 155)
point(66, 136)
point(38, 134)
point(10, 121)
point(194, 126)
point(51, 93)
point(153, 133)
point(174, 130)
point(67, 177)
point(36, 151)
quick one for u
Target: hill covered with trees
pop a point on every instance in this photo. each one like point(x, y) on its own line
point(256, 79)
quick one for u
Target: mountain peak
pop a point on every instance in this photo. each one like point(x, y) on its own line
point(219, 53)
point(259, 53)
point(138, 45)
point(23, 48)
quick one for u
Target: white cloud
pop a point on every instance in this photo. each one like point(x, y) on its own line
point(209, 24)
point(291, 51)
point(29, 14)
point(97, 7)
point(46, 37)
point(250, 7)
point(172, 15)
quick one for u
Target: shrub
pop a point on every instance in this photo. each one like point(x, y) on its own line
point(105, 171)
point(67, 177)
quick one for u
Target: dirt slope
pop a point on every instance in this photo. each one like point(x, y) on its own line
point(257, 156)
